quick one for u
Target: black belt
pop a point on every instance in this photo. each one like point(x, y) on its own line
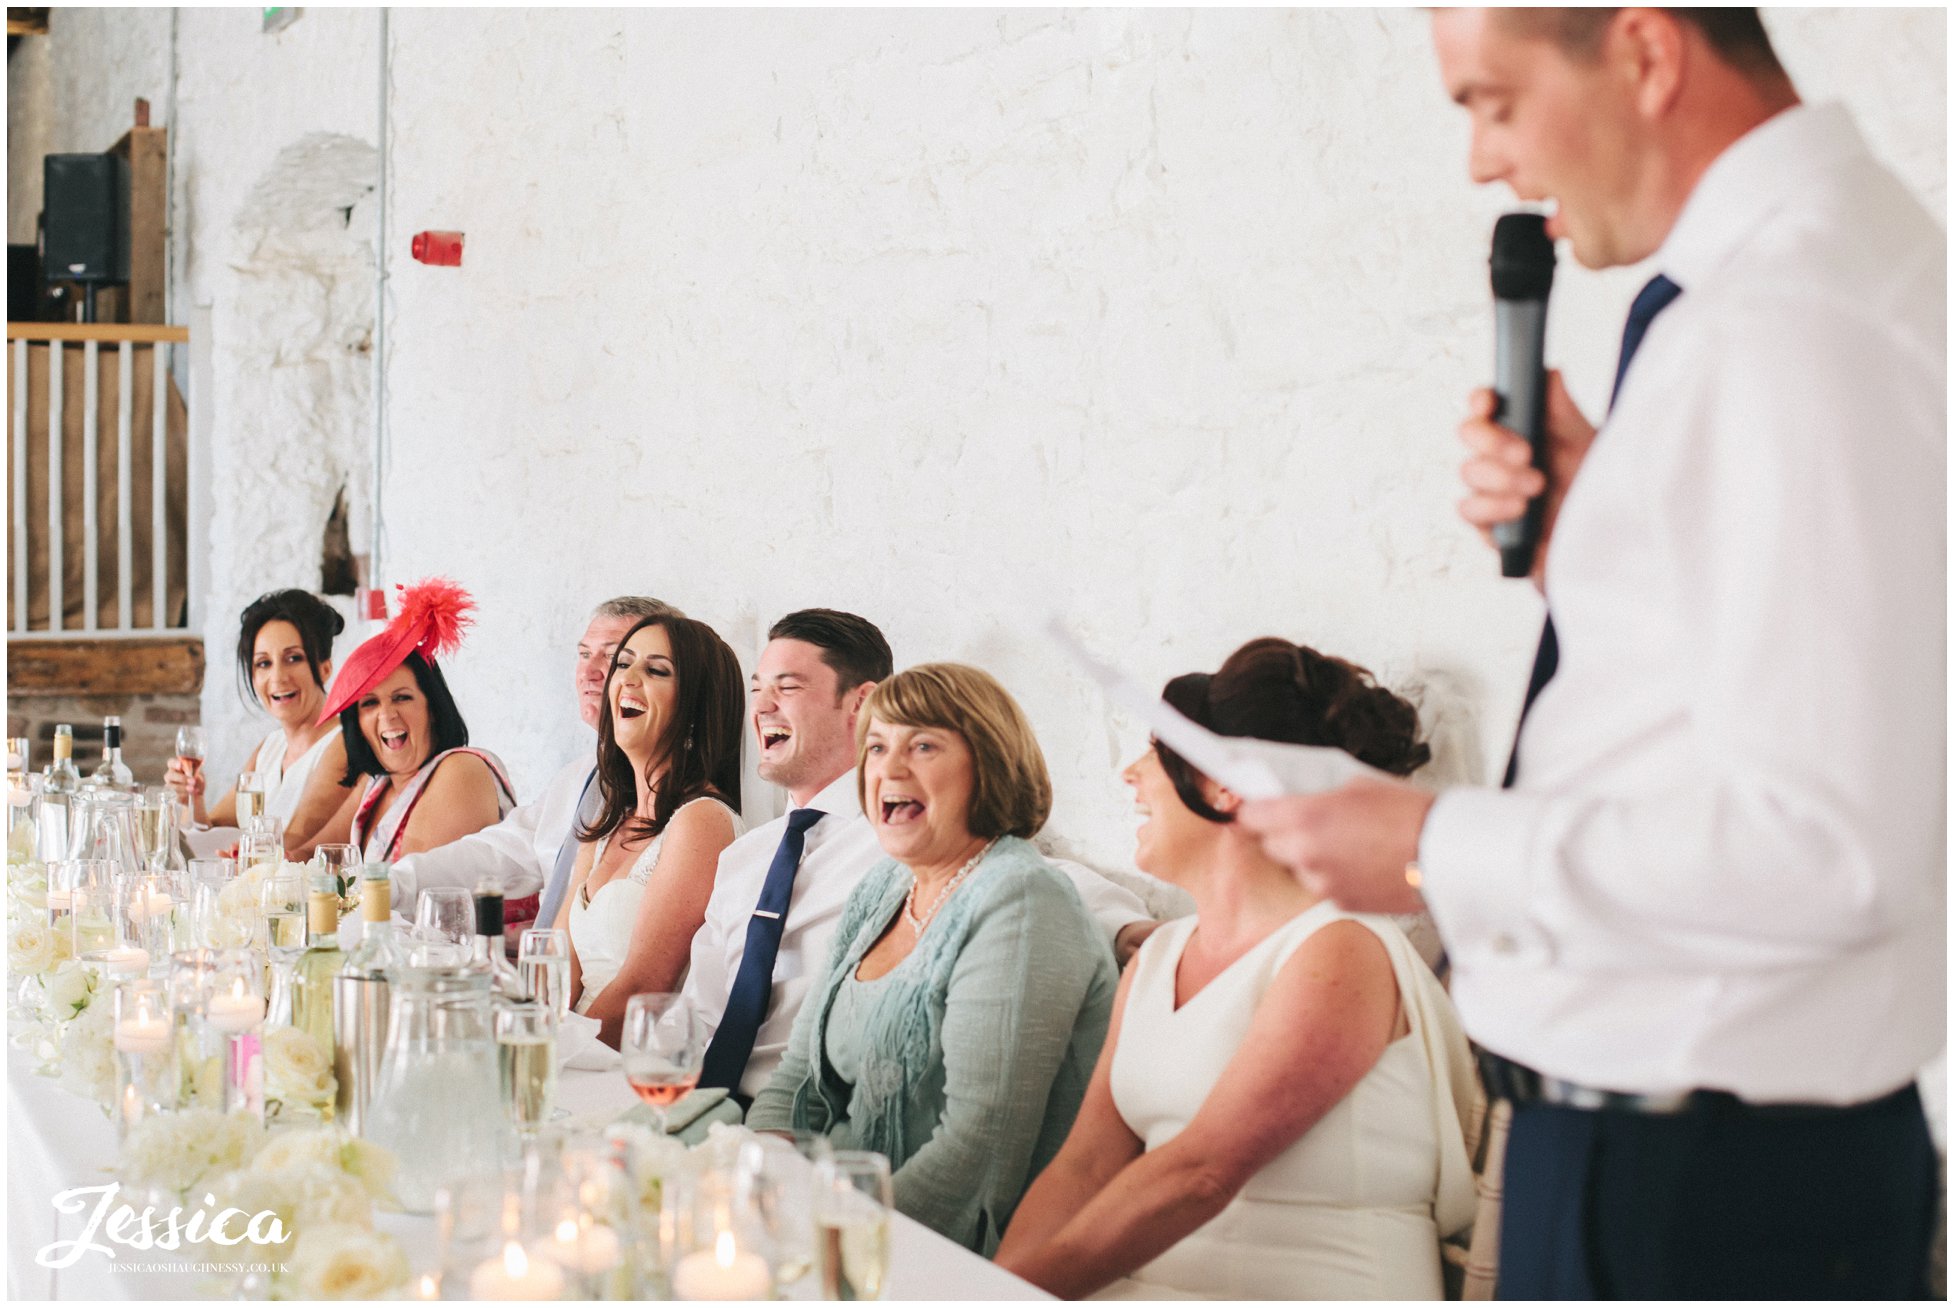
point(1522, 1086)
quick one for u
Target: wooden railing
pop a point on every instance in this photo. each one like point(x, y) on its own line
point(98, 507)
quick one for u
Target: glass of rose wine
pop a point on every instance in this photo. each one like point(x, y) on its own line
point(664, 1047)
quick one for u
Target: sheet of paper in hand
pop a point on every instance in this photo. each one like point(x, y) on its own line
point(1253, 769)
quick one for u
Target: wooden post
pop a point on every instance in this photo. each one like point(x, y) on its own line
point(146, 149)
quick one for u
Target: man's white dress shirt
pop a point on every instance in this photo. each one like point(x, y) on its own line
point(521, 849)
point(1724, 865)
point(840, 849)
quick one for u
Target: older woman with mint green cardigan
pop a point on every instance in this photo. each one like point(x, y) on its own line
point(967, 1059)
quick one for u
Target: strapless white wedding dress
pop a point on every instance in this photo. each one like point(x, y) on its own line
point(601, 924)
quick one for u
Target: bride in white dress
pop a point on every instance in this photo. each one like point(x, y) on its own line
point(1278, 1110)
point(668, 755)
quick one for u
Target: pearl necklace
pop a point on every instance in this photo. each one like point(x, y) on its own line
point(917, 924)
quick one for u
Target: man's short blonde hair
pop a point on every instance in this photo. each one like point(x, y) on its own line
point(1011, 789)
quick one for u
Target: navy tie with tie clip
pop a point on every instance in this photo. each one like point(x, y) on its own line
point(746, 1006)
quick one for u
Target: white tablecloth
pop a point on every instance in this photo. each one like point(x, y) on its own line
point(56, 1141)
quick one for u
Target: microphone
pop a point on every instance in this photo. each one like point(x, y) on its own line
point(1523, 274)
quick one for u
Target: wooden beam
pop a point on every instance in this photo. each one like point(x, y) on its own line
point(142, 333)
point(146, 150)
point(166, 666)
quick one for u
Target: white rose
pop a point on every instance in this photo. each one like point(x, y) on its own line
point(305, 1146)
point(298, 1070)
point(88, 1055)
point(374, 1166)
point(337, 1261)
point(68, 990)
point(30, 949)
point(183, 1149)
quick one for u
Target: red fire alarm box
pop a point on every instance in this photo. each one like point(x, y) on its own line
point(442, 249)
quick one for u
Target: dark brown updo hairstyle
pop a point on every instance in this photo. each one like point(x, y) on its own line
point(317, 623)
point(701, 744)
point(1271, 689)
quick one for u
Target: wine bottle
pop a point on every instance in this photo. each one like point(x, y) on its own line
point(490, 951)
point(62, 778)
point(380, 953)
point(112, 773)
point(318, 965)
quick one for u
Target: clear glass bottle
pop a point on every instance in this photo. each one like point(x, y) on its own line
point(112, 773)
point(491, 954)
point(318, 965)
point(437, 1106)
point(380, 952)
point(62, 778)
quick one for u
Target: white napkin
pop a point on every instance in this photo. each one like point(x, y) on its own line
point(1253, 769)
point(577, 1045)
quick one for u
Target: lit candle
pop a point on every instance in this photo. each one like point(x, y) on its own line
point(428, 1287)
point(149, 903)
point(235, 1012)
point(122, 962)
point(724, 1273)
point(586, 1248)
point(60, 901)
point(142, 1035)
point(515, 1275)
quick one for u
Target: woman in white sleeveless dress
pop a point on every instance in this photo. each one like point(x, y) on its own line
point(668, 771)
point(285, 651)
point(1278, 1110)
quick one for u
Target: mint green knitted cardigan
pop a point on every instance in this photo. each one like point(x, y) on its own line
point(977, 1048)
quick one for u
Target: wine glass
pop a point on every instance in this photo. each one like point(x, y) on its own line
point(342, 863)
point(543, 962)
point(664, 1048)
point(282, 897)
point(444, 923)
point(852, 1199)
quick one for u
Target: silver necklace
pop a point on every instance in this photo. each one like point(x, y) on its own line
point(917, 924)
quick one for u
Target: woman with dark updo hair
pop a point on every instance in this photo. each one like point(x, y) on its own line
point(1278, 1111)
point(284, 655)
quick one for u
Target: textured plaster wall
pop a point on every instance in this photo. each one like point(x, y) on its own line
point(1162, 319)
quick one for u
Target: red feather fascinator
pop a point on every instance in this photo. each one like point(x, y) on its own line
point(433, 615)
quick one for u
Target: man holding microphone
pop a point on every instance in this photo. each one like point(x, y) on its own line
point(1700, 934)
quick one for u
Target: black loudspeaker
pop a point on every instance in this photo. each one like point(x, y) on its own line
point(85, 234)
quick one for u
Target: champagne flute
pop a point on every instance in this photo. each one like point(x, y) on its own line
point(852, 1199)
point(282, 898)
point(250, 797)
point(191, 747)
point(525, 1056)
point(664, 1048)
point(543, 962)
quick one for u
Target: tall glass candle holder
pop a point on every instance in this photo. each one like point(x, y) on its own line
point(725, 1251)
point(148, 913)
point(492, 1242)
point(234, 1017)
point(145, 1052)
point(65, 878)
point(199, 1056)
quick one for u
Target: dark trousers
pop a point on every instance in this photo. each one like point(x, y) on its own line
point(1724, 1203)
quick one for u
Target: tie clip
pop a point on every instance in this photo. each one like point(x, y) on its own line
point(762, 912)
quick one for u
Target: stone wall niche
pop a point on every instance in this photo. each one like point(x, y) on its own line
point(292, 341)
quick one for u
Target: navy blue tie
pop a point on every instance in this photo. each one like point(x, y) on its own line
point(746, 1006)
point(1658, 295)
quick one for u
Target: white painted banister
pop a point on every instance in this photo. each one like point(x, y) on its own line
point(33, 456)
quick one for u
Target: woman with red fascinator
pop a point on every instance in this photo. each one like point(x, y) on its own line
point(425, 785)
